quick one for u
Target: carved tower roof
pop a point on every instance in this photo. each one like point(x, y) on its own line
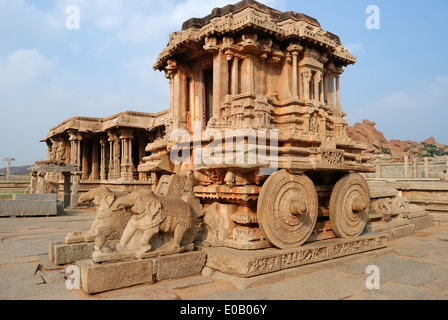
point(250, 15)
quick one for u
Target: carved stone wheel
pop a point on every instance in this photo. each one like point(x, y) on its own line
point(287, 209)
point(349, 206)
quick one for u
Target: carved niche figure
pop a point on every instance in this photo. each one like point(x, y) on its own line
point(153, 214)
point(108, 224)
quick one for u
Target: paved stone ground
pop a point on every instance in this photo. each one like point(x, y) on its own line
point(412, 268)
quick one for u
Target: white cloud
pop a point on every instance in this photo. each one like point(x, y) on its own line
point(25, 65)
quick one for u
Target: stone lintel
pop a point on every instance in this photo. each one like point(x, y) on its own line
point(246, 264)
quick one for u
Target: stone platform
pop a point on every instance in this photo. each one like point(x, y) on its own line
point(247, 264)
point(101, 277)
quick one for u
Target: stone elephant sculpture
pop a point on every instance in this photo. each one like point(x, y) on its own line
point(108, 224)
point(153, 214)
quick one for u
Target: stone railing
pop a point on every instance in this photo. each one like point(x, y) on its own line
point(436, 167)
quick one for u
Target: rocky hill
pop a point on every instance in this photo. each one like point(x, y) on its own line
point(377, 144)
point(16, 170)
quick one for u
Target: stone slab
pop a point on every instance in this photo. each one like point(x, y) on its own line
point(265, 279)
point(17, 270)
point(439, 219)
point(96, 278)
point(62, 253)
point(422, 222)
point(35, 197)
point(28, 208)
point(400, 232)
point(248, 264)
point(385, 192)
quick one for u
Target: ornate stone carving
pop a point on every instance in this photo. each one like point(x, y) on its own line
point(108, 224)
point(152, 215)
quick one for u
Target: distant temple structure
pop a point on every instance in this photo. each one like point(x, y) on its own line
point(105, 149)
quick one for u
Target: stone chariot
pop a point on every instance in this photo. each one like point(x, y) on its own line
point(255, 114)
point(254, 154)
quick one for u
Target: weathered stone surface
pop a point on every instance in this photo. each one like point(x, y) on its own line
point(422, 222)
point(252, 263)
point(35, 197)
point(97, 278)
point(159, 225)
point(62, 253)
point(179, 266)
point(108, 224)
point(15, 270)
point(382, 192)
point(22, 208)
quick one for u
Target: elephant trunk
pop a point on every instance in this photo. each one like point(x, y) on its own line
point(123, 203)
point(85, 198)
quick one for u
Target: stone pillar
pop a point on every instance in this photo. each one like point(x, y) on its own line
point(126, 154)
point(294, 49)
point(116, 158)
point(415, 169)
point(295, 78)
point(426, 167)
point(75, 148)
point(235, 76)
point(306, 76)
point(111, 139)
point(220, 81)
point(85, 160)
point(95, 160)
point(317, 81)
point(330, 85)
point(40, 186)
point(66, 189)
point(201, 101)
point(76, 177)
point(378, 168)
point(338, 97)
point(33, 183)
point(406, 167)
point(103, 143)
point(8, 167)
point(322, 89)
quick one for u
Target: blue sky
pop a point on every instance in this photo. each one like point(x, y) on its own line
point(49, 73)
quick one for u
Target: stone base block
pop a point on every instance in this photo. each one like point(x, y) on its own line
point(400, 232)
point(61, 253)
point(439, 218)
point(35, 197)
point(247, 264)
point(422, 222)
point(96, 278)
point(264, 279)
point(29, 208)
